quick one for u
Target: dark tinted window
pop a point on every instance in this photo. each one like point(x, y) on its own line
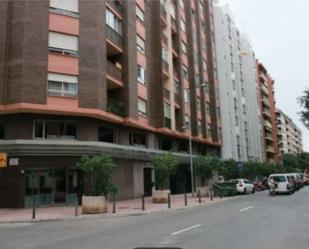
point(1, 132)
point(106, 134)
point(165, 144)
point(138, 139)
point(279, 178)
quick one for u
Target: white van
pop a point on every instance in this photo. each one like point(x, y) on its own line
point(282, 183)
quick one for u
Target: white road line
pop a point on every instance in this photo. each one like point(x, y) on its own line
point(186, 229)
point(245, 209)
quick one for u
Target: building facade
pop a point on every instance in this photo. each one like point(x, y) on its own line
point(289, 135)
point(268, 110)
point(241, 127)
point(124, 78)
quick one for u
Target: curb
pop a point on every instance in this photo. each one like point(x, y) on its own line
point(110, 215)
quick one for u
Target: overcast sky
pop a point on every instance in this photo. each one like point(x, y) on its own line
point(278, 31)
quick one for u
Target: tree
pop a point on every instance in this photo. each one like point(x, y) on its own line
point(99, 168)
point(204, 167)
point(303, 160)
point(251, 169)
point(304, 103)
point(230, 169)
point(290, 162)
point(165, 165)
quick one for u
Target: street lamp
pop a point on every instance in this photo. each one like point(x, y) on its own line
point(190, 141)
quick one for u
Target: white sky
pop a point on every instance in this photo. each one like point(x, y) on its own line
point(278, 31)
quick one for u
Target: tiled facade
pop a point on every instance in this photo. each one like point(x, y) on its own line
point(117, 77)
point(289, 135)
point(268, 111)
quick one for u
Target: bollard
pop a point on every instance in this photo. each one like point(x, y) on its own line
point(143, 202)
point(211, 194)
point(76, 206)
point(186, 199)
point(199, 196)
point(33, 208)
point(169, 200)
point(114, 203)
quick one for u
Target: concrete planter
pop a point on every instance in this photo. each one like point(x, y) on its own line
point(94, 204)
point(160, 196)
point(203, 190)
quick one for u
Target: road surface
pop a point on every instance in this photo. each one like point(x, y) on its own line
point(251, 221)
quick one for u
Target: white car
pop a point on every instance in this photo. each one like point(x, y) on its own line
point(282, 183)
point(244, 186)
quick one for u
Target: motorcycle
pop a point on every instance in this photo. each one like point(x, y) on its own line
point(272, 188)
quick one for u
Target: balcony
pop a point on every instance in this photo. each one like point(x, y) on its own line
point(114, 76)
point(264, 90)
point(266, 113)
point(270, 149)
point(167, 94)
point(268, 125)
point(173, 25)
point(116, 5)
point(115, 107)
point(165, 67)
point(165, 39)
point(265, 101)
point(163, 14)
point(167, 123)
point(114, 44)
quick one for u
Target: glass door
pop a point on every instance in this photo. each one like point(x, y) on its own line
point(60, 186)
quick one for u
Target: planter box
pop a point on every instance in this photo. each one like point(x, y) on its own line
point(160, 196)
point(94, 204)
point(203, 190)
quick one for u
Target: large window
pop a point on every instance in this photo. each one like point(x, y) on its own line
point(140, 44)
point(165, 54)
point(62, 85)
point(45, 129)
point(140, 14)
point(63, 44)
point(141, 74)
point(66, 7)
point(142, 106)
point(137, 139)
point(113, 21)
point(106, 134)
point(165, 144)
point(1, 132)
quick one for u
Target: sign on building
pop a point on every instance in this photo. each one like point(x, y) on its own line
point(3, 160)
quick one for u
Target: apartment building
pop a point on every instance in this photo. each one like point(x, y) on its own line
point(241, 127)
point(289, 135)
point(124, 78)
point(268, 110)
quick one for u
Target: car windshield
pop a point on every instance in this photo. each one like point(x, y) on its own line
point(279, 178)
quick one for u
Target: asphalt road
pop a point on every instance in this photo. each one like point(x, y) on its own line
point(251, 221)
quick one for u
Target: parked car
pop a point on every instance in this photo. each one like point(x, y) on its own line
point(244, 186)
point(297, 180)
point(283, 184)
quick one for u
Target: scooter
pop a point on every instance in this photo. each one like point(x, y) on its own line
point(272, 188)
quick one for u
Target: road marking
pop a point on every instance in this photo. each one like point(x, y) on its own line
point(245, 209)
point(186, 229)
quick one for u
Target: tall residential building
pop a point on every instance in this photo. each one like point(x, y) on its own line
point(289, 135)
point(268, 110)
point(123, 78)
point(241, 128)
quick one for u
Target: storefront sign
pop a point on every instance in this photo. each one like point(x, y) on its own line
point(3, 160)
point(14, 161)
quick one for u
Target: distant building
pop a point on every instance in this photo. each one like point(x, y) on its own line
point(241, 123)
point(289, 135)
point(268, 110)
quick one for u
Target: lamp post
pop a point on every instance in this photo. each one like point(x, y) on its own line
point(189, 128)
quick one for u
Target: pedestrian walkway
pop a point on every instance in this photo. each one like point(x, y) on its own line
point(127, 207)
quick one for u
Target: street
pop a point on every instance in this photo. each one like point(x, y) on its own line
point(251, 221)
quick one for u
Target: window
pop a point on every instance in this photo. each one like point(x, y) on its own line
point(106, 134)
point(165, 144)
point(182, 26)
point(183, 47)
point(205, 65)
point(1, 132)
point(176, 87)
point(209, 130)
point(187, 122)
point(141, 74)
point(137, 139)
point(183, 147)
point(54, 130)
point(244, 109)
point(142, 106)
point(167, 110)
point(62, 85)
point(207, 107)
point(165, 54)
point(199, 126)
point(140, 44)
point(234, 84)
point(198, 103)
point(186, 96)
point(63, 44)
point(140, 14)
point(66, 7)
point(185, 72)
point(113, 21)
point(236, 120)
point(182, 4)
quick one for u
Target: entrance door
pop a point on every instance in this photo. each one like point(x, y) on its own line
point(147, 182)
point(60, 186)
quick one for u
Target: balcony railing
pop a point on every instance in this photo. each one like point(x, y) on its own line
point(116, 5)
point(163, 13)
point(113, 71)
point(165, 66)
point(113, 36)
point(165, 39)
point(115, 107)
point(167, 94)
point(174, 25)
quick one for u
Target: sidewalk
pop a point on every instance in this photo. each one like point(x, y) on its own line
point(128, 207)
